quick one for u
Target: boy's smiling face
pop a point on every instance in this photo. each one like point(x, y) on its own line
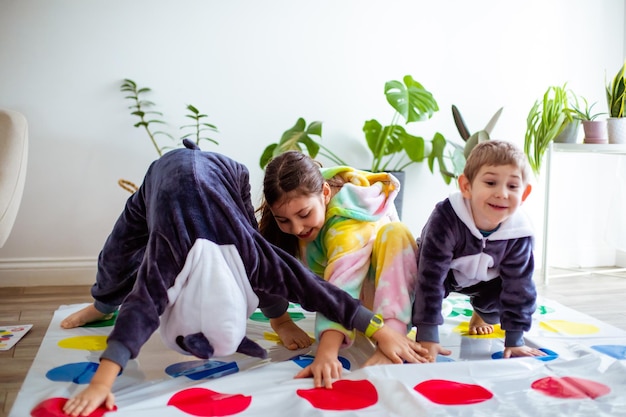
point(495, 194)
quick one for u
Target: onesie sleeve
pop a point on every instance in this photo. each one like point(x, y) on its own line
point(435, 253)
point(278, 274)
point(519, 295)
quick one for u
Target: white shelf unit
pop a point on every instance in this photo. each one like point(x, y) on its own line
point(607, 149)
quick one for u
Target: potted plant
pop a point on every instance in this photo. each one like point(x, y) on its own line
point(594, 129)
point(299, 137)
point(460, 153)
point(392, 147)
point(142, 108)
point(615, 97)
point(548, 117)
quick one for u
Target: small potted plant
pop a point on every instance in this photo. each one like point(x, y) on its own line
point(615, 97)
point(547, 119)
point(594, 129)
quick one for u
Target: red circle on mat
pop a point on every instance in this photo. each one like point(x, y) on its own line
point(345, 395)
point(203, 402)
point(570, 387)
point(445, 392)
point(53, 407)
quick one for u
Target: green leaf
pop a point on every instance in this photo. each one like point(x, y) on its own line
point(267, 154)
point(414, 147)
point(312, 147)
point(439, 144)
point(410, 100)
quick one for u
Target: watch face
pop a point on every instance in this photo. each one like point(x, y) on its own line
point(376, 320)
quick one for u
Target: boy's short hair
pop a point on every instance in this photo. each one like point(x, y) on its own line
point(496, 153)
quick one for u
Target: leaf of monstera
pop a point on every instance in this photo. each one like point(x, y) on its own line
point(439, 144)
point(410, 99)
point(413, 146)
point(373, 137)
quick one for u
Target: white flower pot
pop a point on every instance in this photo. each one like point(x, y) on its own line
point(616, 127)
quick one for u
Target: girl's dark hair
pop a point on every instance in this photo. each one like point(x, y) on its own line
point(290, 174)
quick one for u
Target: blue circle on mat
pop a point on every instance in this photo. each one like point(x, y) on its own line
point(305, 360)
point(614, 351)
point(550, 355)
point(202, 369)
point(78, 373)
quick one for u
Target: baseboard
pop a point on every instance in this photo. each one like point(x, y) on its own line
point(620, 258)
point(30, 272)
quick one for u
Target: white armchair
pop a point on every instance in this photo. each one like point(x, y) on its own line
point(13, 158)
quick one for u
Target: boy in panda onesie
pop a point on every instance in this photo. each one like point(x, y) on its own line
point(185, 255)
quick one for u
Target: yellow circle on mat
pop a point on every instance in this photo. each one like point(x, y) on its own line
point(463, 328)
point(84, 342)
point(273, 337)
point(568, 327)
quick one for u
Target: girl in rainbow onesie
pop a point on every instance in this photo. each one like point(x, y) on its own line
point(343, 225)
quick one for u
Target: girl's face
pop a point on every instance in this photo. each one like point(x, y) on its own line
point(302, 215)
point(495, 194)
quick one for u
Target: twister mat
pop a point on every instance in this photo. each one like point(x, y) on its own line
point(584, 374)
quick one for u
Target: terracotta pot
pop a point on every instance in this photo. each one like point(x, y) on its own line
point(595, 131)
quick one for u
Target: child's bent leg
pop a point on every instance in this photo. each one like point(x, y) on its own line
point(83, 316)
point(479, 326)
point(291, 336)
point(395, 268)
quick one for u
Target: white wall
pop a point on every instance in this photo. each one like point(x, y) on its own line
point(255, 67)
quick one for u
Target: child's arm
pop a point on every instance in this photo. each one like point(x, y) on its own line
point(97, 393)
point(326, 366)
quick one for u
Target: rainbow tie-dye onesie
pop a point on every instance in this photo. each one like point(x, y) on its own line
point(364, 248)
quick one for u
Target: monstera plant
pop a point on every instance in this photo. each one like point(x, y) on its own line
point(392, 146)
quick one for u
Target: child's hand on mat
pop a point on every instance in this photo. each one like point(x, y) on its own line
point(435, 349)
point(88, 400)
point(517, 351)
point(97, 393)
point(324, 369)
point(399, 348)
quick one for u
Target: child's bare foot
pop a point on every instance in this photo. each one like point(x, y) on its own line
point(478, 326)
point(81, 317)
point(290, 335)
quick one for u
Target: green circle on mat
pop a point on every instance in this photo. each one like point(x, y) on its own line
point(102, 323)
point(258, 316)
point(545, 310)
point(460, 312)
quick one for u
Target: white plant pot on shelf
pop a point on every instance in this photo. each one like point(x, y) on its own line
point(616, 127)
